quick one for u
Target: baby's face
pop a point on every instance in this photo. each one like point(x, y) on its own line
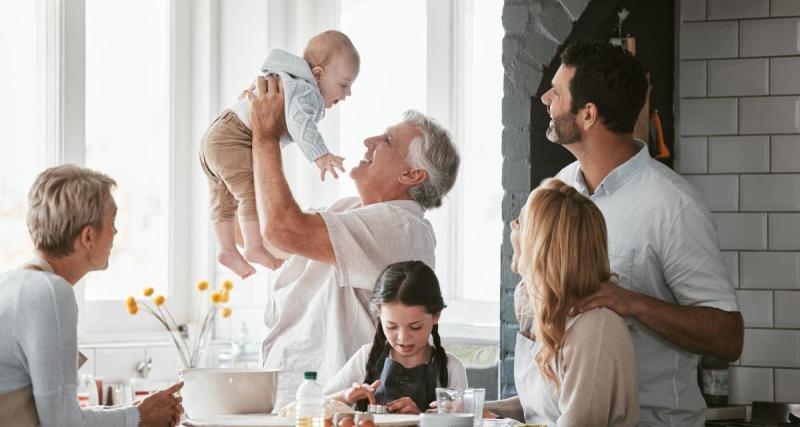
point(336, 79)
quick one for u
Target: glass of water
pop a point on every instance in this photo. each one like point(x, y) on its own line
point(466, 401)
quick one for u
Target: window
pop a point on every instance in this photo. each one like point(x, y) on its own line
point(393, 71)
point(22, 120)
point(127, 137)
point(443, 59)
point(92, 84)
point(480, 191)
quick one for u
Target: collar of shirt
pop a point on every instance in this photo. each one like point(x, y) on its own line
point(619, 175)
point(281, 60)
point(41, 263)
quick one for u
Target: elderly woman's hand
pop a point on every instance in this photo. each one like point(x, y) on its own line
point(267, 115)
point(162, 408)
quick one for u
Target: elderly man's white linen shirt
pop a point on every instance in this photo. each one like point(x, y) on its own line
point(662, 243)
point(319, 314)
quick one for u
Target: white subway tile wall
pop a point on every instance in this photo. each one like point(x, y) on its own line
point(783, 74)
point(720, 192)
point(738, 77)
point(774, 114)
point(693, 10)
point(733, 9)
point(775, 192)
point(693, 78)
point(785, 153)
point(765, 270)
point(731, 259)
point(781, 7)
point(786, 381)
point(771, 347)
point(742, 230)
point(749, 384)
point(768, 37)
point(703, 40)
point(739, 144)
point(787, 314)
point(784, 232)
point(738, 154)
point(711, 116)
point(756, 308)
point(693, 156)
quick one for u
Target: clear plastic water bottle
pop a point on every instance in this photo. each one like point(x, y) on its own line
point(310, 403)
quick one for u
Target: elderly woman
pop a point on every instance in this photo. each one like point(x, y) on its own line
point(71, 221)
point(568, 371)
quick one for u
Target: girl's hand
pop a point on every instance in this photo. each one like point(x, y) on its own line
point(362, 391)
point(403, 405)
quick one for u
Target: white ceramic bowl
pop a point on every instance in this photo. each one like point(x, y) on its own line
point(445, 420)
point(210, 392)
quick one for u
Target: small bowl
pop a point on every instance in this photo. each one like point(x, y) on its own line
point(427, 419)
point(211, 392)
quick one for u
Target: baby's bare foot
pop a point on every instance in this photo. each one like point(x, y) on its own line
point(260, 255)
point(232, 259)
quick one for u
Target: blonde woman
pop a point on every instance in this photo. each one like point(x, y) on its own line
point(569, 371)
point(71, 220)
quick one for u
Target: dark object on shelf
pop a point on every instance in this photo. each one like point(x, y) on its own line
point(775, 413)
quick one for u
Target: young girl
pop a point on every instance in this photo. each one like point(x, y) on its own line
point(401, 369)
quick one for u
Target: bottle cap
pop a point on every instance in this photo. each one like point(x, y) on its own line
point(310, 375)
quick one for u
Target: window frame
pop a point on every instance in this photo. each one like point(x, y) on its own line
point(446, 54)
point(65, 34)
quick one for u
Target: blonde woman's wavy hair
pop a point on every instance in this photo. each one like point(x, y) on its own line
point(564, 257)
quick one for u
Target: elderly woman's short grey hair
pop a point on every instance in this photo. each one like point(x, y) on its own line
point(437, 154)
point(62, 201)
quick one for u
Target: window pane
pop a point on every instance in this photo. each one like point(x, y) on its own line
point(127, 137)
point(481, 195)
point(22, 120)
point(391, 39)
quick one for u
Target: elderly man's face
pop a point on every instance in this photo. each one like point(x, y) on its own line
point(386, 160)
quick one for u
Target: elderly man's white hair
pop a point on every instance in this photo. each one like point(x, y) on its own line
point(435, 152)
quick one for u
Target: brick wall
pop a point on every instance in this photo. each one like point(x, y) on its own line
point(739, 126)
point(534, 31)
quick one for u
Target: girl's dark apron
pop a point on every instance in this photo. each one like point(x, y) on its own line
point(419, 383)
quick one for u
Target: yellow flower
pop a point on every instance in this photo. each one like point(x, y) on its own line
point(159, 300)
point(216, 297)
point(225, 296)
point(227, 285)
point(202, 285)
point(226, 312)
point(130, 304)
point(148, 291)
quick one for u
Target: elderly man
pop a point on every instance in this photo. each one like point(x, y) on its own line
point(318, 313)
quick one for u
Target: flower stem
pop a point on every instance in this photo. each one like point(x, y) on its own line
point(172, 332)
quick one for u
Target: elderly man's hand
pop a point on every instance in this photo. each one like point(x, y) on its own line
point(267, 115)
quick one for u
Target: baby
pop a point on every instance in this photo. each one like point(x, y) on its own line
point(311, 84)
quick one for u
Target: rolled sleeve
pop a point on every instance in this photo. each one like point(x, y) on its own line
point(693, 265)
point(365, 241)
